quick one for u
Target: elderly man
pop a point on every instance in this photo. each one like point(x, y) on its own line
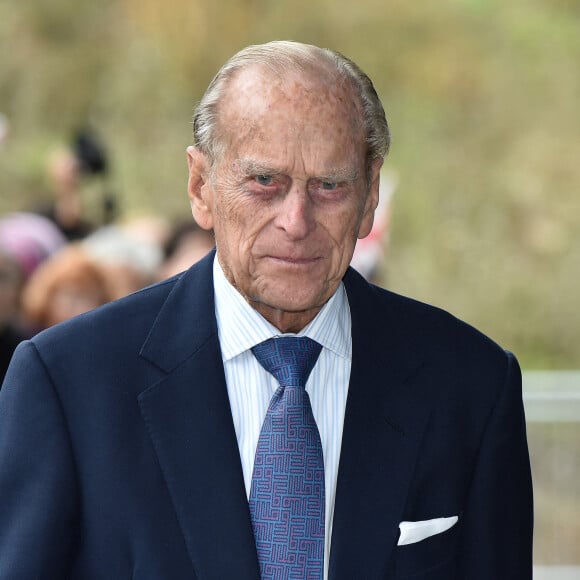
point(268, 413)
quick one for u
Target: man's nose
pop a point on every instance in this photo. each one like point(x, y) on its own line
point(295, 215)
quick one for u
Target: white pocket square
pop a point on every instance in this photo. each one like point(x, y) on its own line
point(412, 532)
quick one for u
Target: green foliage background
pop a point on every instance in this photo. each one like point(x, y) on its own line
point(482, 98)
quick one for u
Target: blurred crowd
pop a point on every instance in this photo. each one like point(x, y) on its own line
point(55, 263)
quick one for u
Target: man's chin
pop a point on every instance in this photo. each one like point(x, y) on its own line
point(299, 307)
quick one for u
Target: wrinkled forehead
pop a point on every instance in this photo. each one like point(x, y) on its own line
point(314, 96)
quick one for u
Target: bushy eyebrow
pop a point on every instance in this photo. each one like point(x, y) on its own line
point(341, 175)
point(253, 167)
point(338, 175)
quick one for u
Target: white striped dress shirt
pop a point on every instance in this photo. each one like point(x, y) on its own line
point(250, 386)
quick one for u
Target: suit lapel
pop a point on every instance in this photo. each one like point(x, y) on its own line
point(384, 422)
point(188, 417)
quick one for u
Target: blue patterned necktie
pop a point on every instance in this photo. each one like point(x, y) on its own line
point(287, 492)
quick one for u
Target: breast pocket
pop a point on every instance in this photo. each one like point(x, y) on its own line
point(433, 558)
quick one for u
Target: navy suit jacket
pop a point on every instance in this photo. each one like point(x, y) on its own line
point(118, 455)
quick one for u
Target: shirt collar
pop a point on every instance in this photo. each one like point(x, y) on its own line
point(241, 327)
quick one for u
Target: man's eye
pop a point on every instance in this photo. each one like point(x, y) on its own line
point(329, 185)
point(265, 179)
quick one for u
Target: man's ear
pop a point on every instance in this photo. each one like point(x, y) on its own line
point(199, 189)
point(372, 200)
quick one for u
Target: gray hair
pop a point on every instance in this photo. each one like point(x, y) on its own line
point(279, 57)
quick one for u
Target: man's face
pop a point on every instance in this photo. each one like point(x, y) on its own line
point(290, 195)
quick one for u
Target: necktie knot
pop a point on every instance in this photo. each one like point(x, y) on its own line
point(290, 359)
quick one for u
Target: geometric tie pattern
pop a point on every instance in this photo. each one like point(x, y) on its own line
point(287, 501)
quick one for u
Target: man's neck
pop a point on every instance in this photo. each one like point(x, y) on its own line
point(285, 321)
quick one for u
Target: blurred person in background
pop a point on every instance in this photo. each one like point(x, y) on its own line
point(269, 414)
point(187, 244)
point(128, 252)
point(29, 239)
point(67, 284)
point(26, 240)
point(67, 170)
point(11, 279)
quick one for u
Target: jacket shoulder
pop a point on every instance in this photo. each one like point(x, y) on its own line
point(110, 323)
point(423, 328)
